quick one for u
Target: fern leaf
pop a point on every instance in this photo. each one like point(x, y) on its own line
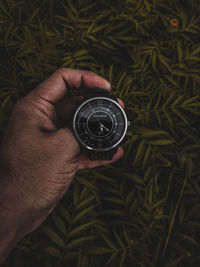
point(83, 213)
point(59, 223)
point(79, 241)
point(82, 227)
point(54, 237)
point(53, 252)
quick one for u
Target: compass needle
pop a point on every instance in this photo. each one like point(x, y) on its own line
point(100, 124)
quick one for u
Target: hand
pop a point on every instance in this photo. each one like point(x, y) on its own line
point(39, 155)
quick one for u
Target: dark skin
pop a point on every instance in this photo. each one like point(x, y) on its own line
point(39, 155)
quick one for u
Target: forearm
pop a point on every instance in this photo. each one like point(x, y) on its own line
point(9, 237)
point(12, 224)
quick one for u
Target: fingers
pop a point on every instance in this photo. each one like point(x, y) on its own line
point(66, 109)
point(84, 162)
point(121, 103)
point(54, 88)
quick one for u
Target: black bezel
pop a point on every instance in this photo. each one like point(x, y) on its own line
point(122, 113)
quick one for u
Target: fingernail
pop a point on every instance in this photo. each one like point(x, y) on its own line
point(108, 85)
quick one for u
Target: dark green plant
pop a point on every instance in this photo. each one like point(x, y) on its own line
point(143, 210)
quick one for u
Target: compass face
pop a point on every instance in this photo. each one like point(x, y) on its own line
point(100, 123)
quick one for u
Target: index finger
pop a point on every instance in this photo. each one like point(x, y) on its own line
point(54, 88)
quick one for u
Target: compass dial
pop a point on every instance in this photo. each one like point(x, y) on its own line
point(100, 123)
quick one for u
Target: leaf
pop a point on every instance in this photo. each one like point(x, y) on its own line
point(180, 51)
point(154, 61)
point(176, 261)
point(110, 73)
point(63, 212)
point(168, 117)
point(119, 240)
point(97, 29)
point(76, 193)
point(179, 72)
point(111, 258)
point(5, 101)
point(85, 202)
point(59, 223)
point(116, 201)
point(164, 61)
point(33, 15)
point(196, 51)
point(78, 242)
point(123, 258)
point(146, 132)
point(69, 14)
point(53, 252)
point(92, 38)
point(189, 239)
point(193, 58)
point(180, 115)
point(146, 157)
point(81, 53)
point(121, 79)
point(126, 234)
point(190, 100)
point(115, 212)
point(140, 151)
point(178, 100)
point(72, 7)
point(168, 99)
point(189, 167)
point(135, 178)
point(109, 46)
point(130, 196)
point(86, 8)
point(147, 173)
point(161, 142)
point(53, 236)
point(103, 177)
point(4, 10)
point(169, 78)
point(133, 206)
point(90, 28)
point(85, 182)
point(159, 203)
point(108, 241)
point(156, 109)
point(83, 213)
point(82, 227)
point(99, 250)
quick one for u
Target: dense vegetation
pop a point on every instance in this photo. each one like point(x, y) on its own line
point(143, 210)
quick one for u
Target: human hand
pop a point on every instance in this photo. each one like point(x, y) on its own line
point(39, 155)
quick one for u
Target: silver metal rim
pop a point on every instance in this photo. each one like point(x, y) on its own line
point(103, 149)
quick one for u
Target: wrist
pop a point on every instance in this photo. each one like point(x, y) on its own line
point(14, 221)
point(11, 233)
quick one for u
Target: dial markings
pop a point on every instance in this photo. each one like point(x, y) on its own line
point(102, 116)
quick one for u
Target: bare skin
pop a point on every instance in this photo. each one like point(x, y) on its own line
point(39, 155)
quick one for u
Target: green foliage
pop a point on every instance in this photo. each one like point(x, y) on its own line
point(144, 209)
